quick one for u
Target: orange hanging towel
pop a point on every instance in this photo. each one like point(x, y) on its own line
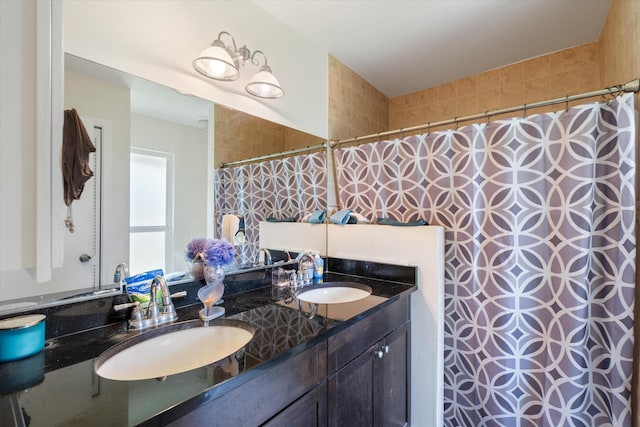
point(76, 147)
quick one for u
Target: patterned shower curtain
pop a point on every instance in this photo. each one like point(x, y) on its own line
point(288, 187)
point(539, 258)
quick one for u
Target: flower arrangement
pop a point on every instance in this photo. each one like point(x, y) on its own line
point(218, 252)
point(195, 247)
point(213, 252)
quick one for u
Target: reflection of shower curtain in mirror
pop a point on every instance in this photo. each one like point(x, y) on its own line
point(289, 187)
point(539, 258)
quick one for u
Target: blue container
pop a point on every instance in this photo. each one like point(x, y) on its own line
point(21, 336)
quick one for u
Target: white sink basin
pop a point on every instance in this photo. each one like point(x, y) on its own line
point(334, 293)
point(173, 349)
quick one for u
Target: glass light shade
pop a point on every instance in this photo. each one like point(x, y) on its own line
point(216, 63)
point(264, 85)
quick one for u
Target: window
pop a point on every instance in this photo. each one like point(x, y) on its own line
point(150, 211)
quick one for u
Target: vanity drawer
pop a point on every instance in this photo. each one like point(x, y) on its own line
point(348, 344)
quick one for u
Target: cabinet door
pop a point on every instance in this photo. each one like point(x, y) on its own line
point(373, 389)
point(391, 379)
point(308, 411)
point(351, 393)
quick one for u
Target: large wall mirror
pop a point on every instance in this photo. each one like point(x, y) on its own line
point(152, 189)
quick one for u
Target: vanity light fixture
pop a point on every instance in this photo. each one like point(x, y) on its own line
point(222, 62)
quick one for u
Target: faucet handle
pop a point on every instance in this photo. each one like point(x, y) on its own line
point(136, 313)
point(119, 307)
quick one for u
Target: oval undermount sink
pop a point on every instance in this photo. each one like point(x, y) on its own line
point(333, 293)
point(173, 349)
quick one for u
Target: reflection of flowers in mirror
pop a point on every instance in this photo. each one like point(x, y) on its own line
point(202, 252)
point(218, 252)
point(195, 257)
point(195, 248)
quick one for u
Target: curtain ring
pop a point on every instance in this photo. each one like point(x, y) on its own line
point(402, 133)
point(525, 111)
point(566, 103)
point(486, 113)
point(455, 119)
point(378, 136)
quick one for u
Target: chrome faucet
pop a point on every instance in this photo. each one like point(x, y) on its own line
point(267, 256)
point(156, 315)
point(122, 271)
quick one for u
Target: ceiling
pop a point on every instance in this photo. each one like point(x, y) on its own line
point(403, 46)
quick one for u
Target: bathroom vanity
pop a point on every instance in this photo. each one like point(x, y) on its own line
point(347, 365)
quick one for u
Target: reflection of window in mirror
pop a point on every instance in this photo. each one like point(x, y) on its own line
point(150, 211)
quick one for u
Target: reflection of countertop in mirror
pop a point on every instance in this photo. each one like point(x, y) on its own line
point(72, 394)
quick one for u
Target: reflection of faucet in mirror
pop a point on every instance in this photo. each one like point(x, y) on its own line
point(267, 256)
point(122, 272)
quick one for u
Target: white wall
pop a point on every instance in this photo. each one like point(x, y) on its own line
point(17, 136)
point(189, 146)
point(25, 187)
point(158, 40)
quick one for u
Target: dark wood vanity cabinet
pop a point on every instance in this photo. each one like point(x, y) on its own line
point(372, 389)
point(308, 411)
point(357, 377)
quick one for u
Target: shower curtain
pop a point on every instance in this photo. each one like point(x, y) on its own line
point(539, 214)
point(288, 187)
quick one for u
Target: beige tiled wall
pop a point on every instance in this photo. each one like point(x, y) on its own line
point(620, 44)
point(356, 108)
point(239, 136)
point(555, 75)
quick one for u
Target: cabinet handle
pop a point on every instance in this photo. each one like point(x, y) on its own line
point(381, 351)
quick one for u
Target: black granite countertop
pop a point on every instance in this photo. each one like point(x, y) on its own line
point(59, 386)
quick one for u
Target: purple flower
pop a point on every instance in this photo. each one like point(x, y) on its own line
point(194, 247)
point(218, 252)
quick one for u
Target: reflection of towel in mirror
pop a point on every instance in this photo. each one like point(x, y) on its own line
point(285, 219)
point(341, 217)
point(317, 217)
point(76, 147)
point(391, 221)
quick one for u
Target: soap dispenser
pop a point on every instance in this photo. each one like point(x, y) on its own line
point(318, 266)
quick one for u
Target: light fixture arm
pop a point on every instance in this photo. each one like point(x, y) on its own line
point(219, 38)
point(255, 61)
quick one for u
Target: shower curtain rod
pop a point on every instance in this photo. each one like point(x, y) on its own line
point(632, 86)
point(271, 156)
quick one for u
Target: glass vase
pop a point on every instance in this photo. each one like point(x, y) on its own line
point(213, 274)
point(214, 277)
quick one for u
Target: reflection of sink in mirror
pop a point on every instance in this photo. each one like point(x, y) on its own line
point(173, 349)
point(334, 293)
